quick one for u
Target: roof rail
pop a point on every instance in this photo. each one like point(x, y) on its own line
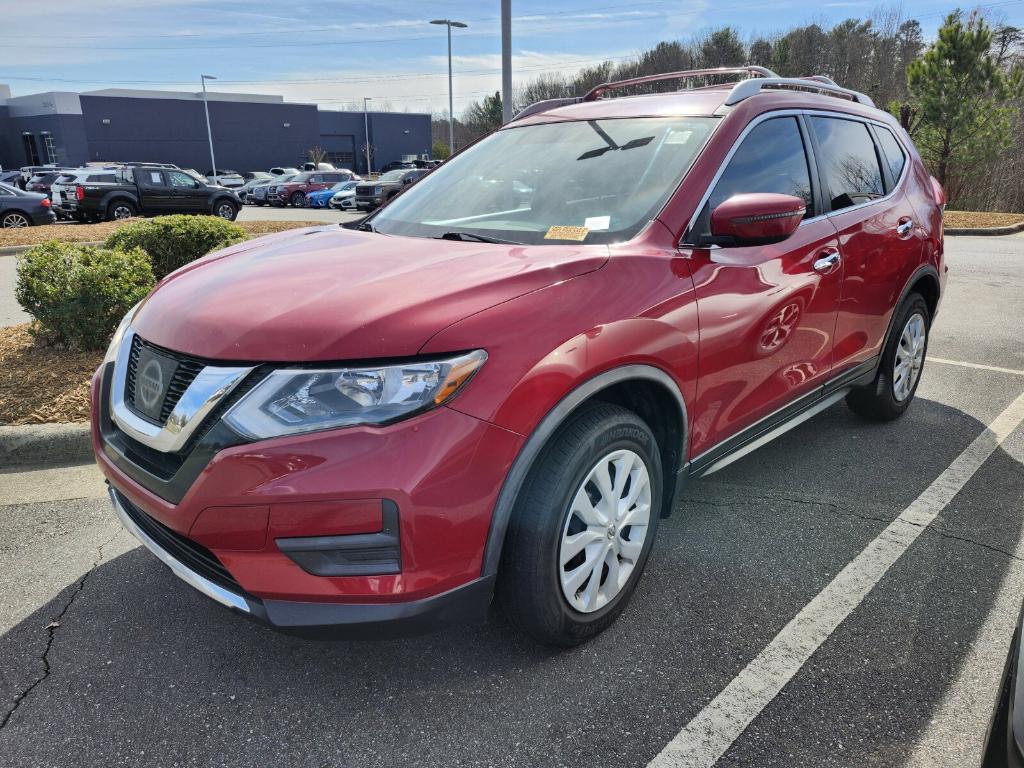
point(815, 84)
point(544, 106)
point(750, 71)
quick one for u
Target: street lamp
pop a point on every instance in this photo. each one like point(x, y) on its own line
point(209, 133)
point(366, 130)
point(451, 109)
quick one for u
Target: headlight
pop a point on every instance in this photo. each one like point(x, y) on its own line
point(122, 328)
point(378, 190)
point(291, 401)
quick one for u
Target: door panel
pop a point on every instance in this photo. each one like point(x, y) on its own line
point(766, 329)
point(157, 196)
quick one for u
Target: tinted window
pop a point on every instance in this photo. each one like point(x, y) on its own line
point(770, 159)
point(179, 179)
point(100, 177)
point(848, 161)
point(150, 178)
point(893, 152)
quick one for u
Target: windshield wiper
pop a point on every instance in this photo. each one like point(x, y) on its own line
point(471, 237)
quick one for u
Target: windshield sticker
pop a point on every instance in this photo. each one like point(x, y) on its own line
point(597, 223)
point(567, 233)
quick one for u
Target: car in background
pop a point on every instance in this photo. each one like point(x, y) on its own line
point(225, 178)
point(293, 192)
point(253, 175)
point(24, 209)
point(258, 193)
point(62, 191)
point(373, 194)
point(345, 199)
point(317, 167)
point(283, 171)
point(42, 181)
point(257, 179)
point(322, 197)
point(148, 190)
point(10, 177)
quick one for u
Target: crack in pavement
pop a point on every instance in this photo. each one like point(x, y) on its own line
point(51, 630)
point(849, 513)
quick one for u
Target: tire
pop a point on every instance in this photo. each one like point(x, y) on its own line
point(226, 210)
point(14, 220)
point(297, 200)
point(559, 604)
point(893, 391)
point(119, 210)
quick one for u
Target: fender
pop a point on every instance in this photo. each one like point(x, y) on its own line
point(223, 196)
point(118, 194)
point(925, 269)
point(546, 428)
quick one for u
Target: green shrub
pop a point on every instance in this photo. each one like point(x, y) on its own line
point(78, 294)
point(173, 241)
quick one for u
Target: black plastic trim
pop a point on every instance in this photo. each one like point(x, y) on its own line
point(363, 554)
point(539, 437)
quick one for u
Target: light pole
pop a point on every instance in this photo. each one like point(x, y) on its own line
point(451, 109)
point(506, 60)
point(366, 130)
point(209, 133)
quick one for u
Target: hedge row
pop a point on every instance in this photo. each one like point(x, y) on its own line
point(77, 294)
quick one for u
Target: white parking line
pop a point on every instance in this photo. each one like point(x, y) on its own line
point(713, 730)
point(979, 366)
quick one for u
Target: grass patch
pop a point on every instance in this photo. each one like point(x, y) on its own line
point(42, 384)
point(981, 219)
point(88, 233)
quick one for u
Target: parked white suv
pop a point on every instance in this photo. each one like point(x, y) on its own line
point(62, 191)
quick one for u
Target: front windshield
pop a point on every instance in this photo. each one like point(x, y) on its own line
point(393, 175)
point(598, 181)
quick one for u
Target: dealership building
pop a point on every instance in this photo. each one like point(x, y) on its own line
point(251, 132)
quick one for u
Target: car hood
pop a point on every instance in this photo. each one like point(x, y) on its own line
point(337, 294)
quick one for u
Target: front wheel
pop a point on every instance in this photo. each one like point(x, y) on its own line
point(582, 527)
point(899, 371)
point(226, 210)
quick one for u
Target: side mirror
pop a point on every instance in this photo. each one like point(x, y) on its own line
point(760, 218)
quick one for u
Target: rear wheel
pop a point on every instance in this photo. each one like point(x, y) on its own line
point(119, 210)
point(226, 210)
point(15, 220)
point(298, 199)
point(582, 527)
point(899, 371)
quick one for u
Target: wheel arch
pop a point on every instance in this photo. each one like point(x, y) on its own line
point(644, 389)
point(26, 214)
point(119, 197)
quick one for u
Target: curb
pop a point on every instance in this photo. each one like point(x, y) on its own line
point(37, 444)
point(1010, 230)
point(14, 250)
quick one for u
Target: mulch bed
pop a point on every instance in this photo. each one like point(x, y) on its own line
point(981, 219)
point(41, 384)
point(86, 233)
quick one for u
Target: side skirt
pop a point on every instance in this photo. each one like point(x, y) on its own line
point(781, 421)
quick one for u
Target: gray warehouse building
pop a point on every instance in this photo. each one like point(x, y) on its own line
point(250, 131)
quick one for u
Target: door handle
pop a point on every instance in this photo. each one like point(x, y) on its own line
point(826, 261)
point(904, 227)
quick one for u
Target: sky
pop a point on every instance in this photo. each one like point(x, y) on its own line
point(336, 52)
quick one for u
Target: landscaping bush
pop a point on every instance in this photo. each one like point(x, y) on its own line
point(78, 294)
point(173, 241)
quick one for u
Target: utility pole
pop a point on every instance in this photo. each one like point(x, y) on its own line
point(209, 133)
point(451, 100)
point(366, 130)
point(506, 60)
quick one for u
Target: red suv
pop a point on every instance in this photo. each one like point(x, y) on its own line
point(499, 383)
point(294, 191)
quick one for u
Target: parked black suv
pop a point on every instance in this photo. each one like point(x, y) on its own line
point(374, 194)
point(148, 190)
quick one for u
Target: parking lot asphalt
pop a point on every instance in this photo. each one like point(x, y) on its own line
point(107, 659)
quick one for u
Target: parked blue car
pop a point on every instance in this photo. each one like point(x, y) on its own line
point(321, 198)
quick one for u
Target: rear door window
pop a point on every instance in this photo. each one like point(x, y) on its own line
point(848, 162)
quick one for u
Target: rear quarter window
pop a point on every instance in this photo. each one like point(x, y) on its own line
point(893, 151)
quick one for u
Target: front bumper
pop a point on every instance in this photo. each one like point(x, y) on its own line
point(463, 604)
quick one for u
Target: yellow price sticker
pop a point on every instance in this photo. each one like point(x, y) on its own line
point(578, 234)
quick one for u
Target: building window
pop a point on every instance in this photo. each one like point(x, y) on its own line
point(51, 150)
point(340, 158)
point(31, 149)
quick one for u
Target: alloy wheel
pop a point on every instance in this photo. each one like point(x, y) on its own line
point(226, 211)
point(605, 531)
point(122, 212)
point(15, 221)
point(909, 357)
